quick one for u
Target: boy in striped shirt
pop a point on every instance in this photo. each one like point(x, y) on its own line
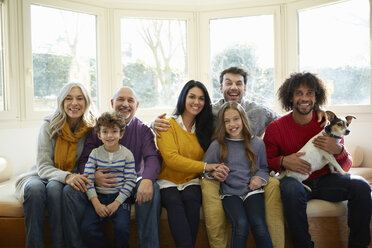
point(109, 203)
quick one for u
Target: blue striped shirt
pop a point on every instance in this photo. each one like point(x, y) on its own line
point(120, 163)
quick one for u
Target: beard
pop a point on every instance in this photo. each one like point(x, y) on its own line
point(126, 116)
point(304, 111)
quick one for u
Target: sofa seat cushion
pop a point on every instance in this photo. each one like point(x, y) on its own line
point(10, 206)
point(320, 208)
point(365, 172)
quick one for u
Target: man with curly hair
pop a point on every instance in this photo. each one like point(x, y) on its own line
point(301, 94)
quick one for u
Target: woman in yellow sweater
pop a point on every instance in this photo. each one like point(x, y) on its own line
point(182, 148)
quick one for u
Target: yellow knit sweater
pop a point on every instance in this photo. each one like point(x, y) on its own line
point(181, 153)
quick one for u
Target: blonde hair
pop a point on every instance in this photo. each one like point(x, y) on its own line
point(59, 117)
point(220, 134)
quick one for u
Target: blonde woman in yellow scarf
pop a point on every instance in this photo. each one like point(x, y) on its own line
point(59, 146)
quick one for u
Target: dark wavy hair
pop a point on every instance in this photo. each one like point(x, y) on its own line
point(110, 120)
point(204, 120)
point(286, 91)
point(234, 70)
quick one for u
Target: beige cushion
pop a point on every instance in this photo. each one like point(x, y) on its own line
point(320, 208)
point(356, 153)
point(365, 172)
point(6, 169)
point(10, 206)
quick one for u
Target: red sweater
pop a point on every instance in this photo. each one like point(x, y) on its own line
point(284, 137)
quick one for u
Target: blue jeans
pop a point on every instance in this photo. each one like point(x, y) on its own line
point(147, 218)
point(241, 214)
point(38, 196)
point(334, 188)
point(183, 209)
point(92, 224)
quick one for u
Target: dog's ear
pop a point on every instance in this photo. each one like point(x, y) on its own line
point(330, 115)
point(349, 118)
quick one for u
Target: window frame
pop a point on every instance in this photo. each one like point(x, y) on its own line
point(18, 54)
point(293, 54)
point(27, 110)
point(10, 68)
point(117, 76)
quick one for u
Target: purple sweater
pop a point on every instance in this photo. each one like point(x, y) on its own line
point(139, 139)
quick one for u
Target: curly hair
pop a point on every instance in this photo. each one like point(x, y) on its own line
point(234, 70)
point(110, 120)
point(286, 91)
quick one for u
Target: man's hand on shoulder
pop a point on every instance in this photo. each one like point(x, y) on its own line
point(160, 125)
point(104, 180)
point(145, 191)
point(293, 162)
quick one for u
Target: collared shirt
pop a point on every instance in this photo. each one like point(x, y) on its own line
point(179, 120)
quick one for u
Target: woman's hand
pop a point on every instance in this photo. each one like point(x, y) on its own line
point(78, 181)
point(255, 183)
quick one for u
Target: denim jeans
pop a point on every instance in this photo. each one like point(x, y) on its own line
point(92, 224)
point(40, 195)
point(251, 213)
point(147, 217)
point(334, 188)
point(183, 209)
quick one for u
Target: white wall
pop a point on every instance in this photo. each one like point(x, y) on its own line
point(361, 135)
point(18, 145)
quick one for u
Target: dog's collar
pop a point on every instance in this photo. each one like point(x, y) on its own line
point(332, 135)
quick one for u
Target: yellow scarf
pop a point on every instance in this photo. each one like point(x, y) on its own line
point(66, 147)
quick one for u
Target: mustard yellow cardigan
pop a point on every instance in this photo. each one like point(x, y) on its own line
point(182, 154)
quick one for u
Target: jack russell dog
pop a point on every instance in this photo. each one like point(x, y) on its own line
point(317, 157)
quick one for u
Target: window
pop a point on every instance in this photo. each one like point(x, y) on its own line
point(246, 42)
point(63, 50)
point(334, 42)
point(154, 58)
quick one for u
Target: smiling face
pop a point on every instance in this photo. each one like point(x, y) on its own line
point(233, 124)
point(110, 137)
point(233, 87)
point(125, 102)
point(195, 101)
point(74, 106)
point(303, 100)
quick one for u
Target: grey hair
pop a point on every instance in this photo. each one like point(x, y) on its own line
point(59, 117)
